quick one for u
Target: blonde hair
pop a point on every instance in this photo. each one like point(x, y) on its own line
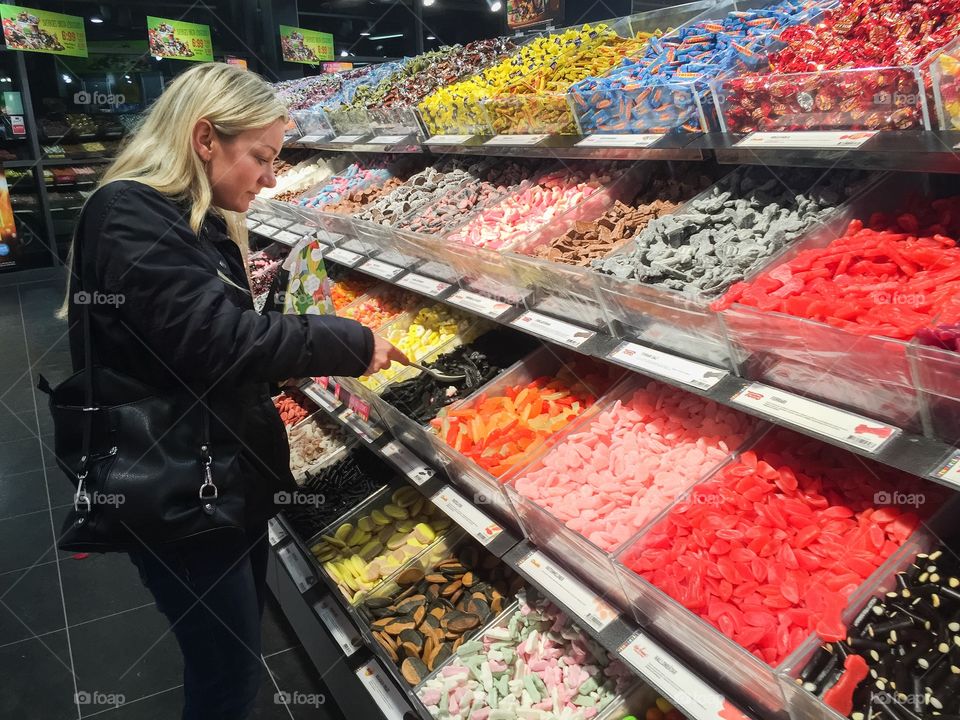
point(160, 152)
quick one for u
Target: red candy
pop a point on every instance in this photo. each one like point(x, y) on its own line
point(769, 564)
point(840, 696)
point(892, 278)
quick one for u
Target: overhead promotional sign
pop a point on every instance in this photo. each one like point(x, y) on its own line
point(42, 31)
point(335, 67)
point(179, 40)
point(239, 62)
point(305, 46)
point(525, 13)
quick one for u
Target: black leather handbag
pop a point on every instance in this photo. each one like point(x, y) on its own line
point(142, 461)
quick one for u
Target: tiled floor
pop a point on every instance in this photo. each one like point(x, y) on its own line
point(71, 624)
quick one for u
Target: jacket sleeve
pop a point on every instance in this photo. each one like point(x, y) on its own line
point(176, 303)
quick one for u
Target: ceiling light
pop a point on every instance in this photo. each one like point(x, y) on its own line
point(431, 37)
point(428, 3)
point(365, 33)
point(386, 37)
point(96, 19)
point(343, 53)
point(495, 6)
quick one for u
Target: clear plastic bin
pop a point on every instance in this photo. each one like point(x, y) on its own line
point(936, 376)
point(546, 530)
point(802, 704)
point(945, 73)
point(655, 609)
point(349, 121)
point(394, 121)
point(404, 302)
point(439, 522)
point(867, 374)
point(341, 444)
point(313, 124)
point(885, 98)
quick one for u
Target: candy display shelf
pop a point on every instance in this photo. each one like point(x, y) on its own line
point(881, 441)
point(919, 151)
point(652, 658)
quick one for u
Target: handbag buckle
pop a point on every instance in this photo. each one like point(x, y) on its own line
point(80, 497)
point(208, 491)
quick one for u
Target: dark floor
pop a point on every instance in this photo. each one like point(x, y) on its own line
point(75, 624)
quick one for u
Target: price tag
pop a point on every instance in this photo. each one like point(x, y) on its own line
point(344, 257)
point(412, 466)
point(384, 693)
point(266, 231)
point(343, 631)
point(515, 140)
point(681, 687)
point(260, 217)
point(307, 139)
point(448, 139)
point(553, 329)
point(252, 224)
point(279, 222)
point(295, 564)
point(93, 146)
point(360, 407)
point(950, 470)
point(323, 382)
point(17, 125)
point(666, 365)
point(287, 238)
point(381, 269)
point(422, 284)
point(395, 258)
point(275, 531)
point(387, 139)
point(806, 140)
point(633, 141)
point(464, 514)
point(478, 304)
point(346, 139)
point(584, 603)
point(336, 388)
point(854, 430)
point(301, 229)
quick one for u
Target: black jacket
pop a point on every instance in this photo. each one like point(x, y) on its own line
point(180, 324)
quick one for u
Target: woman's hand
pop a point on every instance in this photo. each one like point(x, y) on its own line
point(384, 353)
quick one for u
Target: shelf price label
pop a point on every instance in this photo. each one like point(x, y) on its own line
point(300, 572)
point(553, 329)
point(464, 514)
point(515, 139)
point(622, 140)
point(412, 466)
point(381, 269)
point(387, 139)
point(344, 257)
point(301, 229)
point(287, 238)
point(323, 397)
point(275, 532)
point(252, 224)
point(382, 690)
point(361, 427)
point(807, 139)
point(670, 366)
point(846, 427)
point(949, 471)
point(279, 222)
point(422, 284)
point(343, 631)
point(556, 581)
point(307, 139)
point(479, 304)
point(266, 231)
point(448, 139)
point(681, 687)
point(346, 139)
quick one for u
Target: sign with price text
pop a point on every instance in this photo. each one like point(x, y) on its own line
point(41, 31)
point(179, 40)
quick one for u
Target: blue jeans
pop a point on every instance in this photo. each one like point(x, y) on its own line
point(212, 592)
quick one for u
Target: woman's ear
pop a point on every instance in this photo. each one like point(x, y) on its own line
point(203, 138)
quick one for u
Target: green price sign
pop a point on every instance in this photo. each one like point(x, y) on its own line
point(179, 40)
point(305, 46)
point(41, 31)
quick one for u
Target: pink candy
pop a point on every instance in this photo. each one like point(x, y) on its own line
point(608, 479)
point(511, 220)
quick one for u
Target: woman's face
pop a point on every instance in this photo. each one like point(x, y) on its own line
point(239, 167)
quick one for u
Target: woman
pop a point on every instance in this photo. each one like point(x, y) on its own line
point(164, 236)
